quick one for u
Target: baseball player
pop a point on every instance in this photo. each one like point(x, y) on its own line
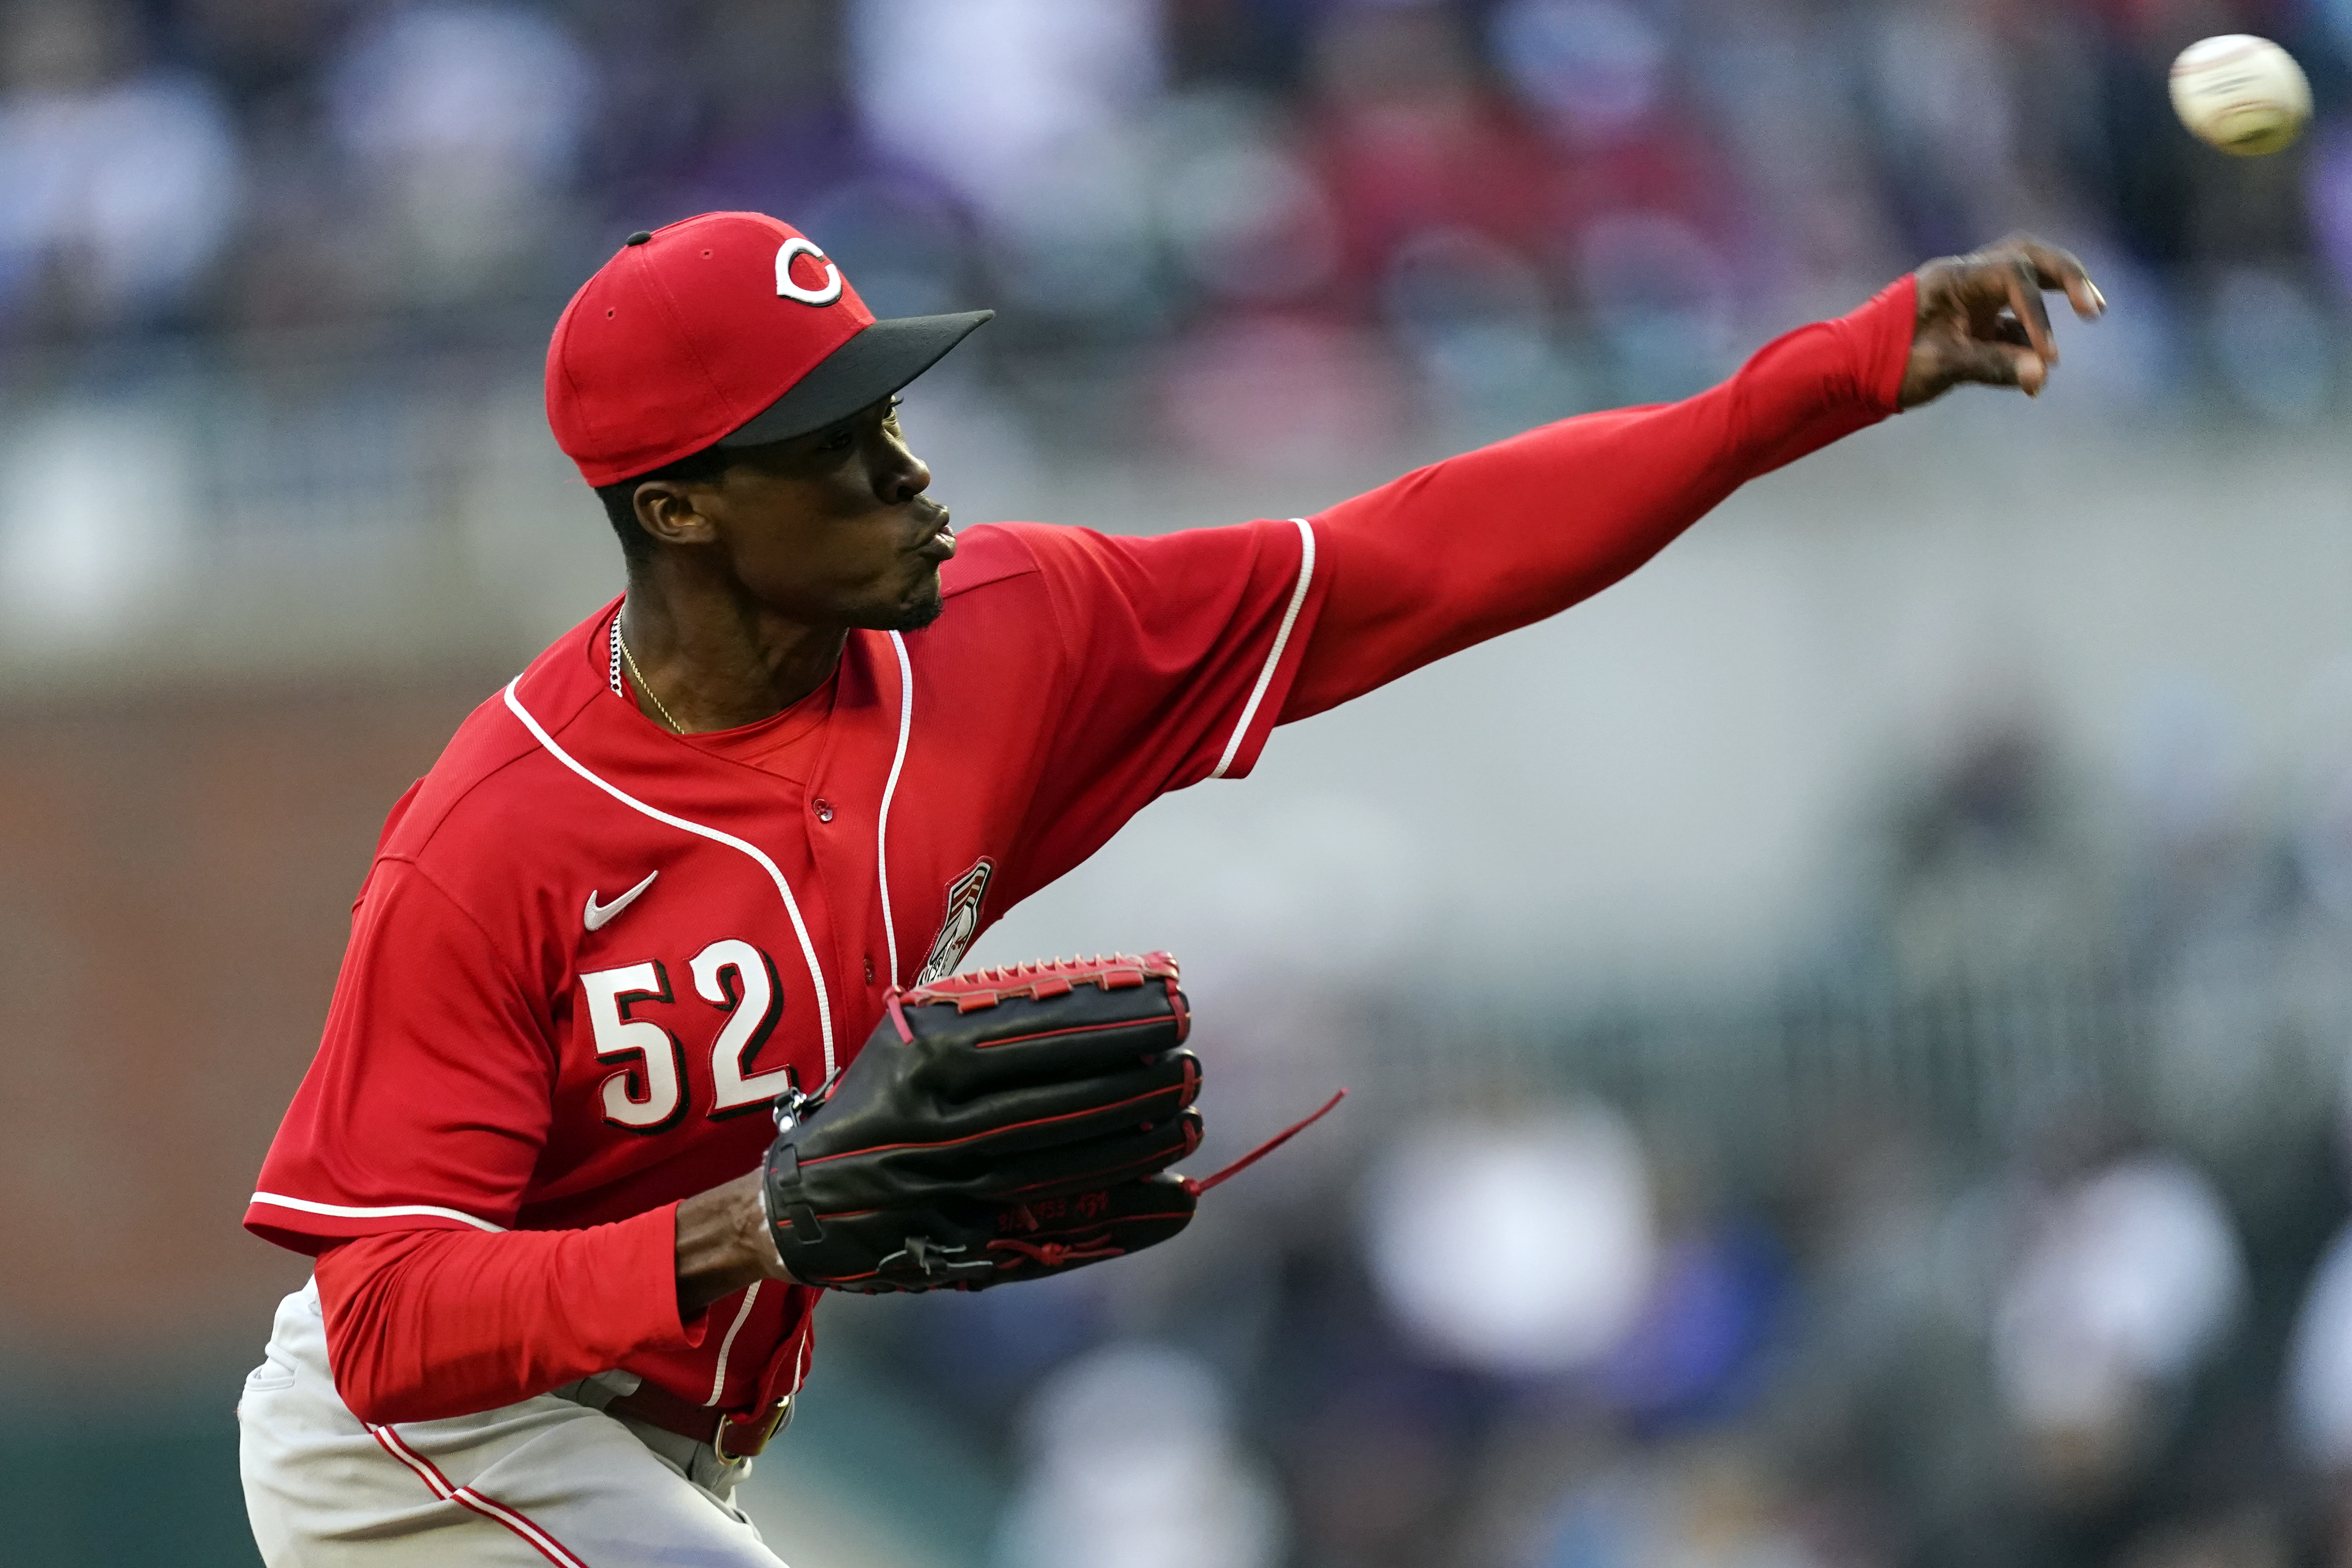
point(674, 870)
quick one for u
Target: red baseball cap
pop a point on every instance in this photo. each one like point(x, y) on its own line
point(726, 330)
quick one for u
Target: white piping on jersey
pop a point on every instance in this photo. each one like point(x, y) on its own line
point(1281, 640)
point(792, 905)
point(882, 828)
point(743, 1316)
point(800, 1367)
point(345, 1211)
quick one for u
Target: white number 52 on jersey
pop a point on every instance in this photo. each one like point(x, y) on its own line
point(648, 1093)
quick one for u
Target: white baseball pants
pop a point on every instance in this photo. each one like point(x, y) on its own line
point(547, 1481)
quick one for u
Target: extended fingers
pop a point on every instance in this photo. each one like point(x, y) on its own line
point(1982, 317)
point(2057, 268)
point(2022, 283)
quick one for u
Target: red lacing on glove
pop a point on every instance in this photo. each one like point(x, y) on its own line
point(1054, 1254)
point(1040, 981)
point(1196, 1185)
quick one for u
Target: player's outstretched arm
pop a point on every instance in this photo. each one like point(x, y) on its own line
point(1982, 318)
point(1496, 539)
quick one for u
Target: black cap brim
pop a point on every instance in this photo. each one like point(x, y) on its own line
point(867, 369)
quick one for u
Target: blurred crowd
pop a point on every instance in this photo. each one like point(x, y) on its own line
point(1508, 208)
point(1560, 1338)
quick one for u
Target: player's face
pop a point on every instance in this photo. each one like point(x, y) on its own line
point(834, 529)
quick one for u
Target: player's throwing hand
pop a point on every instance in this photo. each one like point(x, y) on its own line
point(1982, 318)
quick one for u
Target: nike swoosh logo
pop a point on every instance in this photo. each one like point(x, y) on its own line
point(596, 914)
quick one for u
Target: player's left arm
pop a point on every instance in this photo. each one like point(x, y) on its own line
point(1499, 538)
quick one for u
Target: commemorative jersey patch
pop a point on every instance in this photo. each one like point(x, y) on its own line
point(961, 924)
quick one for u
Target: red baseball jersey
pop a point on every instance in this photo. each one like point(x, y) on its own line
point(590, 951)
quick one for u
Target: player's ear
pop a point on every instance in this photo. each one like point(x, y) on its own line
point(667, 511)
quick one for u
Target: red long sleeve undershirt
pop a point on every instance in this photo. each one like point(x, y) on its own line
point(432, 1323)
point(1505, 536)
point(422, 1324)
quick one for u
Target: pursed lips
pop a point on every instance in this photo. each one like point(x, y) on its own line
point(940, 544)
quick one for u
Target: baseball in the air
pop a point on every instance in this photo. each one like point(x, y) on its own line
point(2242, 94)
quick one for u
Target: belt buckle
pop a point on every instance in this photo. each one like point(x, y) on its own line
point(778, 1419)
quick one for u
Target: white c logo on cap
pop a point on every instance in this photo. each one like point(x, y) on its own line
point(792, 250)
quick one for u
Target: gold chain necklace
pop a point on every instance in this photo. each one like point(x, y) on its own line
point(639, 677)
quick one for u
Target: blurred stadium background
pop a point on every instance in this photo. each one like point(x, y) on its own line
point(1849, 1030)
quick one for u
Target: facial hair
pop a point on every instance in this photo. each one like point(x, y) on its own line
point(918, 610)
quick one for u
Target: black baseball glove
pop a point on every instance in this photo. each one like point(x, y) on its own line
point(998, 1126)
